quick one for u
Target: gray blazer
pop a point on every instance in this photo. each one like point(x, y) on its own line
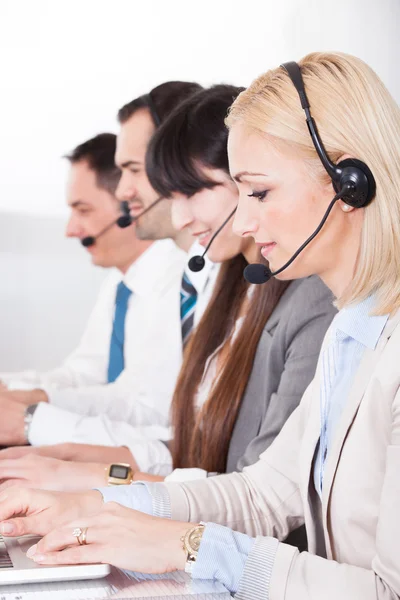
point(284, 365)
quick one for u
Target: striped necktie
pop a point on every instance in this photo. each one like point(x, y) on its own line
point(188, 305)
point(116, 363)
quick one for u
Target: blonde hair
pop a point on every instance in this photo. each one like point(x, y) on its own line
point(355, 115)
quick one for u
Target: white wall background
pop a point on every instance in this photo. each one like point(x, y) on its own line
point(66, 66)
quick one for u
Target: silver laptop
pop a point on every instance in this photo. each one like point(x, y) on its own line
point(16, 567)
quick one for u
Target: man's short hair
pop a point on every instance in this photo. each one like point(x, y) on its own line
point(99, 153)
point(160, 101)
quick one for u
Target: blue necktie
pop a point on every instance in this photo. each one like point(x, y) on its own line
point(188, 305)
point(116, 360)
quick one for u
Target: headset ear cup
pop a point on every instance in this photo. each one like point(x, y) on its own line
point(356, 172)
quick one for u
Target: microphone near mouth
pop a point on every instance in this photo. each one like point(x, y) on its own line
point(196, 263)
point(123, 221)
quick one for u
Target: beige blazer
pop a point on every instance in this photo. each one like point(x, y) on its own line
point(354, 533)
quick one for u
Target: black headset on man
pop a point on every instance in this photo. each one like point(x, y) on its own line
point(125, 219)
point(352, 180)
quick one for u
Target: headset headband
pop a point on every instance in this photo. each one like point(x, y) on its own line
point(350, 171)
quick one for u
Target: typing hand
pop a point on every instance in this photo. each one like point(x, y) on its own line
point(57, 451)
point(75, 452)
point(93, 453)
point(118, 536)
point(12, 420)
point(25, 512)
point(27, 397)
point(42, 472)
point(12, 410)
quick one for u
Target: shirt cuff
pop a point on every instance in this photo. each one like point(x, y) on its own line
point(52, 425)
point(150, 498)
point(222, 556)
point(186, 475)
point(68, 398)
point(256, 577)
point(151, 457)
point(135, 496)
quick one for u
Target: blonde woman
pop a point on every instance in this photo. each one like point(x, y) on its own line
point(335, 466)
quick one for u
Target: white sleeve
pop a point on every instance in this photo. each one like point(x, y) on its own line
point(53, 425)
point(23, 380)
point(87, 364)
point(140, 396)
point(152, 456)
point(186, 475)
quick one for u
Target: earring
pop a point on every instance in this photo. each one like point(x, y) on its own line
point(346, 207)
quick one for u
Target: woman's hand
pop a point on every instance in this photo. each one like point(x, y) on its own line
point(25, 512)
point(42, 472)
point(76, 452)
point(118, 536)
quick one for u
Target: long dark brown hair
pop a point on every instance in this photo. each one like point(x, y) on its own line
point(202, 439)
point(192, 137)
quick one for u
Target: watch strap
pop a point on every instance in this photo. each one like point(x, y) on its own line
point(28, 418)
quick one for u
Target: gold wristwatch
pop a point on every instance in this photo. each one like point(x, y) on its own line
point(191, 544)
point(119, 474)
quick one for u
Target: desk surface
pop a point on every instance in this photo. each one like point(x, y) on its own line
point(120, 585)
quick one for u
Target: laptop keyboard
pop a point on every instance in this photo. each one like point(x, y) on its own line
point(5, 560)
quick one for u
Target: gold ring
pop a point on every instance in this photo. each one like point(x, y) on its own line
point(82, 538)
point(77, 532)
point(80, 535)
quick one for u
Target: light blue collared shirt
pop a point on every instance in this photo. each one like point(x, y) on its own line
point(353, 330)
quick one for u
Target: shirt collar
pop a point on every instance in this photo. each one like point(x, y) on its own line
point(357, 322)
point(144, 275)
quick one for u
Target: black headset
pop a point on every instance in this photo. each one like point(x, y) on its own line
point(351, 178)
point(350, 173)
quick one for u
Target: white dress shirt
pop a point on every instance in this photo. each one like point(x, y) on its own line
point(78, 392)
point(83, 407)
point(147, 445)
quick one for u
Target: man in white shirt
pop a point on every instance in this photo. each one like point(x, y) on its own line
point(92, 182)
point(136, 405)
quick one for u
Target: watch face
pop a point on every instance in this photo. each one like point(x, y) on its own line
point(119, 471)
point(195, 539)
